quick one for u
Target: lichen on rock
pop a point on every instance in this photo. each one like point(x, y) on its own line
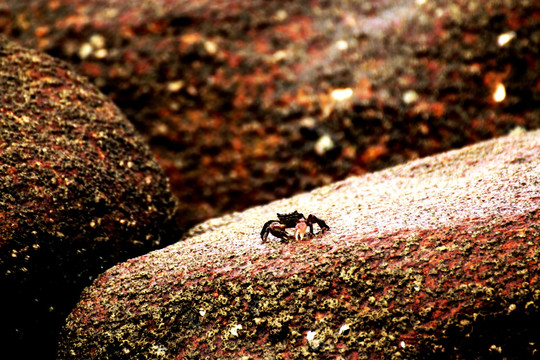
point(423, 260)
point(79, 191)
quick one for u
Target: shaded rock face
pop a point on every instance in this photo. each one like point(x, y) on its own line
point(79, 191)
point(248, 102)
point(437, 258)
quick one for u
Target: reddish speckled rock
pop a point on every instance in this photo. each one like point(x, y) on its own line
point(437, 258)
point(79, 192)
point(236, 98)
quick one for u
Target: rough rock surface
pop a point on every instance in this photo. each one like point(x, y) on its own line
point(437, 258)
point(79, 192)
point(244, 102)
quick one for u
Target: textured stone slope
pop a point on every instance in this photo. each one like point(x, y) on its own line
point(79, 191)
point(436, 258)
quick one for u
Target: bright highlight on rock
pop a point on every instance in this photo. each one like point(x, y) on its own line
point(505, 38)
point(500, 93)
point(342, 94)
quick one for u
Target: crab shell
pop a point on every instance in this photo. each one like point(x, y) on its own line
point(300, 229)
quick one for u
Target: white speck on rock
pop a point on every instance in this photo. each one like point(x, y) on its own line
point(505, 38)
point(85, 50)
point(410, 96)
point(342, 45)
point(159, 350)
point(281, 15)
point(211, 47)
point(341, 94)
point(175, 86)
point(500, 93)
point(235, 328)
point(324, 144)
point(280, 55)
point(97, 41)
point(344, 328)
point(101, 54)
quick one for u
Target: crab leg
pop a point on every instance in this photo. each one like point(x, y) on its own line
point(313, 219)
point(266, 229)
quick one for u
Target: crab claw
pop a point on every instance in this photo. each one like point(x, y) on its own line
point(300, 229)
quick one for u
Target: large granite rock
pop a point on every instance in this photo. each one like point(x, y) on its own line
point(437, 258)
point(250, 101)
point(79, 192)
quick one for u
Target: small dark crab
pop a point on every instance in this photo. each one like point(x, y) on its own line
point(294, 220)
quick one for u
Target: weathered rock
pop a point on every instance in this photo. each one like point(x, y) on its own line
point(250, 102)
point(79, 192)
point(437, 258)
